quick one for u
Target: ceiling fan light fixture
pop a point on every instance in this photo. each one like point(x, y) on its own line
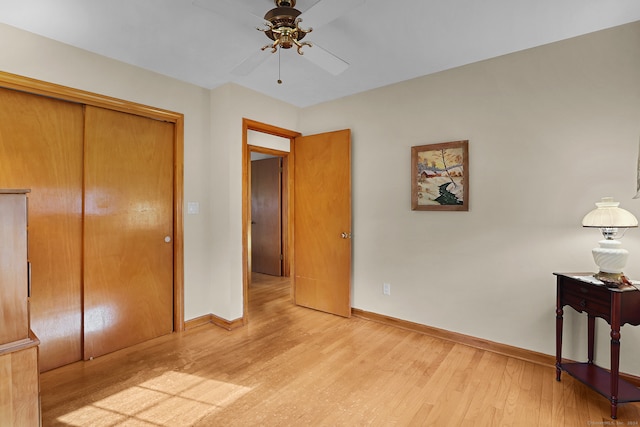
point(283, 27)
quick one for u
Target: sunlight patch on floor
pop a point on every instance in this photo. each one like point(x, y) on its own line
point(172, 399)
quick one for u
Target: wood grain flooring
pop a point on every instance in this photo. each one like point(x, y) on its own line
point(292, 366)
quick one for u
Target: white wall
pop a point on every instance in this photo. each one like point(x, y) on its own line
point(265, 140)
point(551, 130)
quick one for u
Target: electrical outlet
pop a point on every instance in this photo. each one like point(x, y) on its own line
point(386, 288)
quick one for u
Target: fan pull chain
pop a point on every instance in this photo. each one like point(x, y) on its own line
point(279, 80)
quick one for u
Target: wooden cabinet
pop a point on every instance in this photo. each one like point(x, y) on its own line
point(617, 306)
point(19, 380)
point(13, 267)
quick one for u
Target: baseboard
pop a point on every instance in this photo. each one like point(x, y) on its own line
point(198, 321)
point(503, 349)
point(229, 325)
point(507, 350)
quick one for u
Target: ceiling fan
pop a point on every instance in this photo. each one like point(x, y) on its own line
point(282, 26)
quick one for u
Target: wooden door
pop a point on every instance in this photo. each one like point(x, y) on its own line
point(128, 230)
point(266, 214)
point(41, 149)
point(322, 222)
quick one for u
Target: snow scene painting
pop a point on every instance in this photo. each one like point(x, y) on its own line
point(439, 176)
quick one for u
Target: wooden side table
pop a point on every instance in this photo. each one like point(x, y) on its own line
point(616, 306)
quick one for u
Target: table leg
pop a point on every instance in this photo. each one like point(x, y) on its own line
point(615, 353)
point(559, 314)
point(591, 323)
point(615, 369)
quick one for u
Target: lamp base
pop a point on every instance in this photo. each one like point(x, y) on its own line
point(611, 280)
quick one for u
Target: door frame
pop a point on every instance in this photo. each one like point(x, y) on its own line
point(38, 87)
point(288, 174)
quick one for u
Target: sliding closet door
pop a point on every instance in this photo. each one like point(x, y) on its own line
point(128, 230)
point(41, 149)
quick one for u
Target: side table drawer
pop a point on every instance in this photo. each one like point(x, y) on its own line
point(589, 298)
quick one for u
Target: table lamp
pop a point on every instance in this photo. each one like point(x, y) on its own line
point(610, 257)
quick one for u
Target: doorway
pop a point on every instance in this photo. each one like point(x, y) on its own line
point(267, 219)
point(266, 144)
point(321, 198)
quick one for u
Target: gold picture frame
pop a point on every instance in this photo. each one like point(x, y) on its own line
point(440, 177)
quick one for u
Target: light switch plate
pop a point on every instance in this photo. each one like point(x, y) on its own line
point(193, 208)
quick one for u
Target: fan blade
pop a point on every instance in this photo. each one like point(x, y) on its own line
point(325, 11)
point(325, 59)
point(232, 10)
point(250, 63)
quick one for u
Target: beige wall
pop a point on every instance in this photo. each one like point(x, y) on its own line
point(551, 130)
point(541, 125)
point(229, 104)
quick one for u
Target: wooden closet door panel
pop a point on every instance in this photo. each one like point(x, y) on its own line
point(41, 149)
point(128, 230)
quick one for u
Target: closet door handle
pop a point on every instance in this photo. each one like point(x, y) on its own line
point(167, 239)
point(28, 279)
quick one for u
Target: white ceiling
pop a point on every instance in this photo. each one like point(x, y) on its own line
point(384, 41)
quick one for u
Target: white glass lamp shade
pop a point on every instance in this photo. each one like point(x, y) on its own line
point(609, 215)
point(610, 257)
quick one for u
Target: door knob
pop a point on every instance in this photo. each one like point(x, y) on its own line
point(346, 235)
point(167, 239)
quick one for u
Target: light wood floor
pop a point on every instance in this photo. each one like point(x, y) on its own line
point(298, 367)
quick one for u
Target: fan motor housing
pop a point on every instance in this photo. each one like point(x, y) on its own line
point(283, 16)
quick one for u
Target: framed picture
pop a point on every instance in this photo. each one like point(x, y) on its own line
point(440, 177)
